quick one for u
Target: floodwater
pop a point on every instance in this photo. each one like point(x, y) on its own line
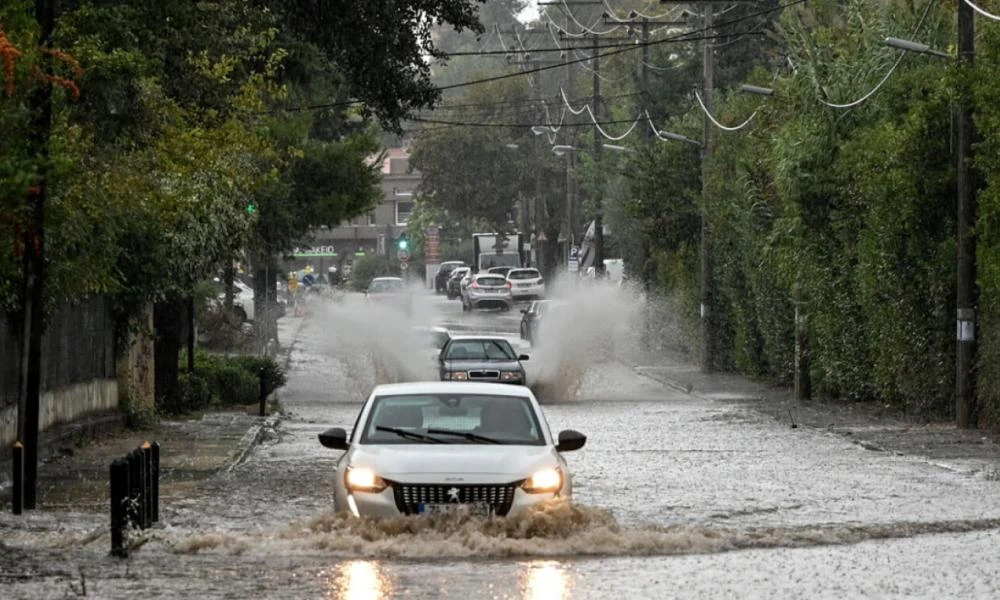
point(675, 495)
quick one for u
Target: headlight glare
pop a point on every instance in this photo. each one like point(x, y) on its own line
point(458, 375)
point(510, 376)
point(363, 480)
point(546, 480)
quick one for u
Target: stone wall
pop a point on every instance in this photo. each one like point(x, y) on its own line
point(63, 405)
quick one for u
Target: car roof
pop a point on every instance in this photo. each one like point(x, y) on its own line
point(479, 337)
point(453, 262)
point(400, 279)
point(488, 275)
point(452, 387)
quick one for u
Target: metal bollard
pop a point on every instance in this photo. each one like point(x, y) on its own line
point(119, 506)
point(134, 488)
point(155, 500)
point(17, 500)
point(147, 484)
point(263, 393)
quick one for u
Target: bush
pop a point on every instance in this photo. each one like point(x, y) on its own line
point(367, 268)
point(193, 393)
point(227, 380)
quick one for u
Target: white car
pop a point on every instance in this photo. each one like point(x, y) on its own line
point(402, 459)
point(487, 290)
point(526, 284)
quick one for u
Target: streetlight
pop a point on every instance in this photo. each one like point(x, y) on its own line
point(911, 46)
point(756, 89)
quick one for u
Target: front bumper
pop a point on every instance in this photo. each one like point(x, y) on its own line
point(384, 505)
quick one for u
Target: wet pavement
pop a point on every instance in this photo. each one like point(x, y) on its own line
point(683, 490)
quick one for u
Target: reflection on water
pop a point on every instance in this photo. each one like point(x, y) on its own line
point(360, 580)
point(545, 580)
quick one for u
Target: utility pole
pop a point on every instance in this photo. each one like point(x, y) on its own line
point(599, 194)
point(34, 260)
point(965, 289)
point(707, 296)
point(647, 137)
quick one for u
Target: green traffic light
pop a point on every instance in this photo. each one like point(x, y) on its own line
point(251, 208)
point(403, 244)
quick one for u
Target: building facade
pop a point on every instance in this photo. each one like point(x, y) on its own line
point(373, 233)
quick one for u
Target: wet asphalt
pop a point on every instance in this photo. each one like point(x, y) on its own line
point(675, 496)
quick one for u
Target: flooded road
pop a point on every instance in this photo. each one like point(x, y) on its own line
point(675, 496)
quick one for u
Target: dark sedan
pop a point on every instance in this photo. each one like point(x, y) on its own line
point(444, 272)
point(481, 358)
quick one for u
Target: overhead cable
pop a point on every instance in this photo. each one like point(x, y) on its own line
point(711, 118)
point(569, 13)
point(611, 13)
point(982, 11)
point(888, 74)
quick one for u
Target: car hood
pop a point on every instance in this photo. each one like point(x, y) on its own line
point(466, 365)
point(453, 463)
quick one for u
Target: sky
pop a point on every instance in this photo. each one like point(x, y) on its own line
point(530, 13)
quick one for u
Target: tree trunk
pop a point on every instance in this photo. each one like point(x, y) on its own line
point(169, 323)
point(228, 274)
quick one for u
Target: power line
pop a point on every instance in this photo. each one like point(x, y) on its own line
point(681, 37)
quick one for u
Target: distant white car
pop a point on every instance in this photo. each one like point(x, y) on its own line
point(242, 300)
point(526, 284)
point(402, 459)
point(487, 290)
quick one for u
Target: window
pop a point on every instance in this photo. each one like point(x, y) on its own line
point(403, 211)
point(371, 219)
point(480, 350)
point(524, 274)
point(507, 419)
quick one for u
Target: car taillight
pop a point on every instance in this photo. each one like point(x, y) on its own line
point(475, 285)
point(509, 285)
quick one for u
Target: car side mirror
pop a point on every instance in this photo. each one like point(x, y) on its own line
point(523, 357)
point(336, 438)
point(570, 440)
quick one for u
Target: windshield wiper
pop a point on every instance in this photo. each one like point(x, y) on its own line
point(472, 437)
point(403, 433)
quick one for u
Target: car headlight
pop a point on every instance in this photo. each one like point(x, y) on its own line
point(363, 480)
point(510, 376)
point(546, 480)
point(457, 375)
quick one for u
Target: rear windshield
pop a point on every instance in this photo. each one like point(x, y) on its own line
point(492, 281)
point(480, 350)
point(385, 285)
point(526, 274)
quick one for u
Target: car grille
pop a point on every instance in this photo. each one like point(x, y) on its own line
point(480, 374)
point(409, 496)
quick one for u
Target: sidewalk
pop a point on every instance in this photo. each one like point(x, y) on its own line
point(73, 474)
point(870, 425)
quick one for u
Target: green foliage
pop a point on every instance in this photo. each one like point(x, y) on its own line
point(193, 393)
point(227, 380)
point(369, 267)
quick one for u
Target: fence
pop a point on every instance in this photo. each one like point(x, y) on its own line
point(78, 346)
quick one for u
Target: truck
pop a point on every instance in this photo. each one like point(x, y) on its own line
point(497, 250)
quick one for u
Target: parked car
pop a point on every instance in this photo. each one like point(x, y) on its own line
point(487, 290)
point(397, 461)
point(453, 288)
point(501, 270)
point(482, 358)
point(526, 284)
point(531, 318)
point(444, 272)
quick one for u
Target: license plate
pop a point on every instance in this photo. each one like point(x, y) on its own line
point(523, 285)
point(476, 509)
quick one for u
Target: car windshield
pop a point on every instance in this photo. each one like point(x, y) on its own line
point(452, 418)
point(385, 285)
point(480, 350)
point(492, 281)
point(525, 274)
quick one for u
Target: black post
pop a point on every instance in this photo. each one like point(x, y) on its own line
point(966, 292)
point(191, 334)
point(147, 484)
point(17, 501)
point(134, 488)
point(119, 505)
point(155, 500)
point(263, 393)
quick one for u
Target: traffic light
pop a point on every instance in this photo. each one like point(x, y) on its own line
point(251, 208)
point(403, 244)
